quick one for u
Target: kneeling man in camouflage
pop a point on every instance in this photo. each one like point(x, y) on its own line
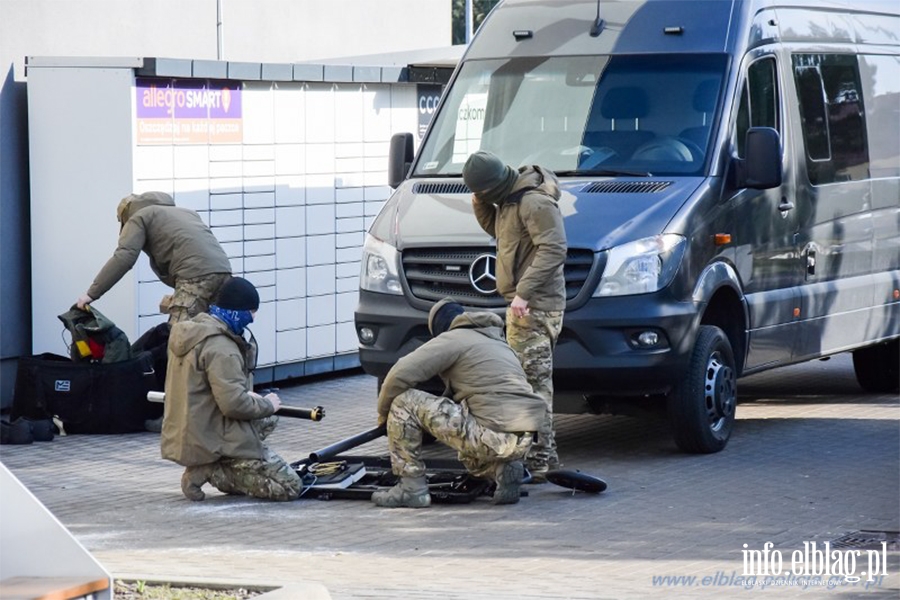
point(215, 425)
point(488, 413)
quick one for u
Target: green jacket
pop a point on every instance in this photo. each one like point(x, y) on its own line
point(478, 367)
point(209, 408)
point(531, 240)
point(177, 241)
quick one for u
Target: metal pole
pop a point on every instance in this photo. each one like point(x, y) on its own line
point(220, 32)
point(470, 18)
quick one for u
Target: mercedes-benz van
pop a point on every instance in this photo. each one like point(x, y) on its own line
point(730, 175)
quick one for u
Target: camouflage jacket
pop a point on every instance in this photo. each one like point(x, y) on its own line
point(478, 367)
point(531, 240)
point(209, 410)
point(177, 241)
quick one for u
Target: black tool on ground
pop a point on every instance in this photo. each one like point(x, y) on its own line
point(576, 481)
point(295, 412)
point(328, 474)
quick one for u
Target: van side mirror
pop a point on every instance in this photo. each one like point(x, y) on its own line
point(400, 158)
point(760, 169)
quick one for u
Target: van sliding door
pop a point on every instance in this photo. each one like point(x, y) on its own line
point(834, 197)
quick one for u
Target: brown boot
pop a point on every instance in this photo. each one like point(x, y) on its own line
point(193, 479)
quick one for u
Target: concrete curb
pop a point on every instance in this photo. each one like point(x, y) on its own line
point(279, 590)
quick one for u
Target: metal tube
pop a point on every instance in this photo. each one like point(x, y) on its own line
point(351, 442)
point(313, 414)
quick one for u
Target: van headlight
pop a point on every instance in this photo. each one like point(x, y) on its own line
point(642, 266)
point(379, 268)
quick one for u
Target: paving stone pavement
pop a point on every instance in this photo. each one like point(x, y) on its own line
point(812, 458)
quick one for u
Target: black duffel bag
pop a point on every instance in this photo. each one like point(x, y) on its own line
point(87, 397)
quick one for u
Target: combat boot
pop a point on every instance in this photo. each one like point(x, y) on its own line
point(193, 479)
point(508, 477)
point(411, 492)
point(539, 470)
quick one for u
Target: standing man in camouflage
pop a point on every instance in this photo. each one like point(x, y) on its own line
point(214, 424)
point(519, 208)
point(488, 413)
point(183, 253)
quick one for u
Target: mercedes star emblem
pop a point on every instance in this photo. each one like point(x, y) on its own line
point(483, 274)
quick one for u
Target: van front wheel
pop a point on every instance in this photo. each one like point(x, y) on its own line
point(702, 406)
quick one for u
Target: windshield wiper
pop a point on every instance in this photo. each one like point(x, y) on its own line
point(604, 173)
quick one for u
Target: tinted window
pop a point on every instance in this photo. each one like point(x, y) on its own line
point(759, 101)
point(832, 117)
point(882, 77)
point(812, 112)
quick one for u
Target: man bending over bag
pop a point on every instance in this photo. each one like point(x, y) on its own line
point(214, 425)
point(489, 416)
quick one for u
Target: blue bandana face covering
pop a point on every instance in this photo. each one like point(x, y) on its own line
point(235, 319)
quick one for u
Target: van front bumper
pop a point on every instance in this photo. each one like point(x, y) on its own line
point(597, 352)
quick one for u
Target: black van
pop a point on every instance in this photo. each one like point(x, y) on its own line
point(731, 195)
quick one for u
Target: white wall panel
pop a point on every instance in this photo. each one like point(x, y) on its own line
point(320, 280)
point(320, 113)
point(348, 111)
point(290, 283)
point(290, 221)
point(192, 194)
point(290, 252)
point(345, 337)
point(320, 249)
point(290, 190)
point(291, 314)
point(319, 219)
point(291, 345)
point(154, 162)
point(191, 162)
point(290, 159)
point(320, 310)
point(259, 118)
point(320, 341)
point(289, 105)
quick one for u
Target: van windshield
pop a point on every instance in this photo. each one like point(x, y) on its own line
point(580, 115)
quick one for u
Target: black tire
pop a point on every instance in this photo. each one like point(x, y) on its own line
point(702, 406)
point(878, 367)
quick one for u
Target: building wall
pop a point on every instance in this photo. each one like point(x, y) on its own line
point(287, 31)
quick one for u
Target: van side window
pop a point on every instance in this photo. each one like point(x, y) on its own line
point(759, 101)
point(882, 97)
point(832, 117)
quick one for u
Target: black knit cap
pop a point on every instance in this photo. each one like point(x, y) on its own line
point(238, 294)
point(442, 314)
point(488, 177)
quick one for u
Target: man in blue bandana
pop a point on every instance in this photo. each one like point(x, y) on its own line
point(214, 424)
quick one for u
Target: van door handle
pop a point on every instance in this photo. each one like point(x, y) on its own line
point(785, 204)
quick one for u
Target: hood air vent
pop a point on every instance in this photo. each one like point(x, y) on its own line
point(441, 188)
point(627, 187)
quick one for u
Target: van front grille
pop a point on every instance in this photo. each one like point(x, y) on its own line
point(435, 273)
point(627, 187)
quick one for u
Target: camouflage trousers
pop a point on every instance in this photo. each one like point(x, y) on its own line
point(269, 478)
point(533, 338)
point(479, 448)
point(192, 297)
